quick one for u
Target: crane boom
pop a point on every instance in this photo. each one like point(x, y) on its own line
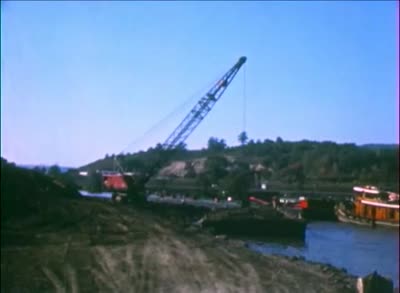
point(202, 108)
point(122, 181)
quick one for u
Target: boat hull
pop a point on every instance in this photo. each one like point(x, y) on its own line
point(286, 228)
point(346, 217)
point(255, 223)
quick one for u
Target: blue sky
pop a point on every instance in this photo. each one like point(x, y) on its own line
point(82, 79)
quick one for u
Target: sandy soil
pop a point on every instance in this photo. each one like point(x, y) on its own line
point(113, 248)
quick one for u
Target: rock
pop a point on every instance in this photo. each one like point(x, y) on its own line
point(325, 269)
point(200, 222)
point(297, 258)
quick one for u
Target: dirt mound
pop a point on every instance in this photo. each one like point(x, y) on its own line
point(176, 168)
point(53, 243)
point(118, 248)
point(27, 194)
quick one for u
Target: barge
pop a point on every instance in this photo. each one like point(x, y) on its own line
point(255, 222)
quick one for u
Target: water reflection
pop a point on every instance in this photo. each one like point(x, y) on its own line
point(360, 250)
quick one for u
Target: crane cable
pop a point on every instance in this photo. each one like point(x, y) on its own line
point(157, 125)
point(117, 164)
point(244, 98)
point(176, 111)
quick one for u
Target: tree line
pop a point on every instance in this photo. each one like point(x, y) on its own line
point(287, 162)
point(235, 169)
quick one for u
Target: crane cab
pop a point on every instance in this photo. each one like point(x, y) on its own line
point(114, 181)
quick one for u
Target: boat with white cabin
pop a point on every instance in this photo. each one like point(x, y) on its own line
point(370, 206)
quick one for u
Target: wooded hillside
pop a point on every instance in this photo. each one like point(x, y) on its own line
point(281, 161)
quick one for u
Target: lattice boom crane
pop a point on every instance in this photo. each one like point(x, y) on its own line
point(122, 181)
point(202, 108)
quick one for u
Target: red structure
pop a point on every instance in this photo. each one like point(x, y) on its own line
point(303, 204)
point(115, 182)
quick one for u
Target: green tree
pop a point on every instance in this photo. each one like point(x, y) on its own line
point(95, 182)
point(300, 177)
point(237, 183)
point(216, 145)
point(216, 167)
point(54, 171)
point(40, 169)
point(243, 138)
point(134, 164)
point(181, 146)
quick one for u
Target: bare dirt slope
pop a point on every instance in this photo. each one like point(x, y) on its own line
point(111, 248)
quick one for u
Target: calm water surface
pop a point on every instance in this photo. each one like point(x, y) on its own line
point(360, 250)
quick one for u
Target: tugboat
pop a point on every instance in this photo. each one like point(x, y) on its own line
point(371, 207)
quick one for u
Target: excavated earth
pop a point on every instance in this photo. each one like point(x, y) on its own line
point(109, 248)
point(90, 245)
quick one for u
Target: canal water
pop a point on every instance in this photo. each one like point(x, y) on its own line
point(359, 250)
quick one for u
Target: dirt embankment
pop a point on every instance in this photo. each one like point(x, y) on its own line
point(26, 194)
point(81, 245)
point(120, 249)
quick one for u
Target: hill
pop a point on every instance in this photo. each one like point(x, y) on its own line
point(29, 198)
point(301, 162)
point(380, 146)
point(46, 168)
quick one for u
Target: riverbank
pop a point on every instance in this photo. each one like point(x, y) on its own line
point(105, 247)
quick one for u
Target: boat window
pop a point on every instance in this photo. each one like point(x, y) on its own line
point(383, 196)
point(369, 195)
